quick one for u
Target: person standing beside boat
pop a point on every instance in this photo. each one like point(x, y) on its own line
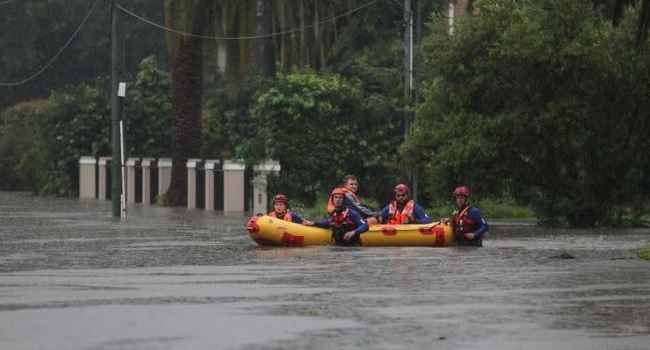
point(346, 224)
point(351, 185)
point(466, 221)
point(281, 211)
point(403, 210)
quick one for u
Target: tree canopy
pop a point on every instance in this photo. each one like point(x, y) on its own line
point(539, 102)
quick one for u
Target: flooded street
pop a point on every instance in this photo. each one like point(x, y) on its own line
point(71, 277)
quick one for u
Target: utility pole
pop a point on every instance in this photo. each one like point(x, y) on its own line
point(408, 63)
point(408, 83)
point(417, 87)
point(116, 157)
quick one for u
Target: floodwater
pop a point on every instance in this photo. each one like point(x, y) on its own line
point(71, 277)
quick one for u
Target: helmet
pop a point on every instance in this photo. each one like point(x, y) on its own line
point(280, 198)
point(338, 190)
point(462, 191)
point(402, 188)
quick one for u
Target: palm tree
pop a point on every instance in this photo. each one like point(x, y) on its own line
point(187, 88)
point(644, 23)
point(309, 47)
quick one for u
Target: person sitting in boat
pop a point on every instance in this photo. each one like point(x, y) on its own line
point(346, 224)
point(403, 210)
point(466, 221)
point(350, 185)
point(282, 212)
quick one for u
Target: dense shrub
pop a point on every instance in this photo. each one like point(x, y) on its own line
point(545, 101)
point(19, 155)
point(48, 137)
point(78, 124)
point(319, 126)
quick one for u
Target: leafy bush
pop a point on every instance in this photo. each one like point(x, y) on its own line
point(19, 156)
point(318, 127)
point(79, 123)
point(226, 123)
point(161, 200)
point(542, 101)
point(644, 253)
point(148, 112)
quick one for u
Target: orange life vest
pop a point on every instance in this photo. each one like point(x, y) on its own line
point(286, 217)
point(342, 221)
point(461, 223)
point(403, 217)
point(330, 204)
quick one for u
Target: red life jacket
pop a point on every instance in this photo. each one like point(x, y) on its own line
point(342, 221)
point(286, 217)
point(330, 204)
point(405, 216)
point(461, 223)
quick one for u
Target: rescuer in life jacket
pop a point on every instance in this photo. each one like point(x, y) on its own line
point(282, 212)
point(350, 185)
point(466, 221)
point(403, 210)
point(346, 224)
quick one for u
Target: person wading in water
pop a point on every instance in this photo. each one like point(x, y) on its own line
point(346, 224)
point(466, 221)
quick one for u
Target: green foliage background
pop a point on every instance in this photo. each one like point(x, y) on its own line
point(19, 126)
point(536, 104)
point(306, 121)
point(542, 101)
point(46, 138)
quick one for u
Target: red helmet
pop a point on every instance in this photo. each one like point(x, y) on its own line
point(338, 190)
point(280, 198)
point(402, 188)
point(462, 191)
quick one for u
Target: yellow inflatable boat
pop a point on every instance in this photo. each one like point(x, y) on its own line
point(268, 231)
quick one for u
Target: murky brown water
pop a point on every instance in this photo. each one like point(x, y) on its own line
point(73, 278)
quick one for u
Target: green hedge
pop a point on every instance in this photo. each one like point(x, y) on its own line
point(19, 146)
point(320, 127)
point(542, 101)
point(47, 137)
point(644, 253)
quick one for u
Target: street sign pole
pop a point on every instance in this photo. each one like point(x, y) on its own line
point(116, 160)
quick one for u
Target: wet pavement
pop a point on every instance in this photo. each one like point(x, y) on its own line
point(73, 278)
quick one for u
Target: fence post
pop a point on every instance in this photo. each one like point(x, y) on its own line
point(146, 180)
point(164, 174)
point(131, 163)
point(210, 167)
point(191, 182)
point(260, 192)
point(103, 178)
point(87, 173)
point(233, 186)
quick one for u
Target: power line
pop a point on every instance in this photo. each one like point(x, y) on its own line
point(83, 22)
point(49, 63)
point(260, 36)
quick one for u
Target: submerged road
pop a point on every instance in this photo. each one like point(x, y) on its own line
point(73, 278)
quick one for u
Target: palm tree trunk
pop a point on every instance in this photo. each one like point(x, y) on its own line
point(319, 58)
point(303, 41)
point(644, 23)
point(266, 56)
point(187, 90)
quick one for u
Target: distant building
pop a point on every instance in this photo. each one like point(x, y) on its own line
point(456, 9)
